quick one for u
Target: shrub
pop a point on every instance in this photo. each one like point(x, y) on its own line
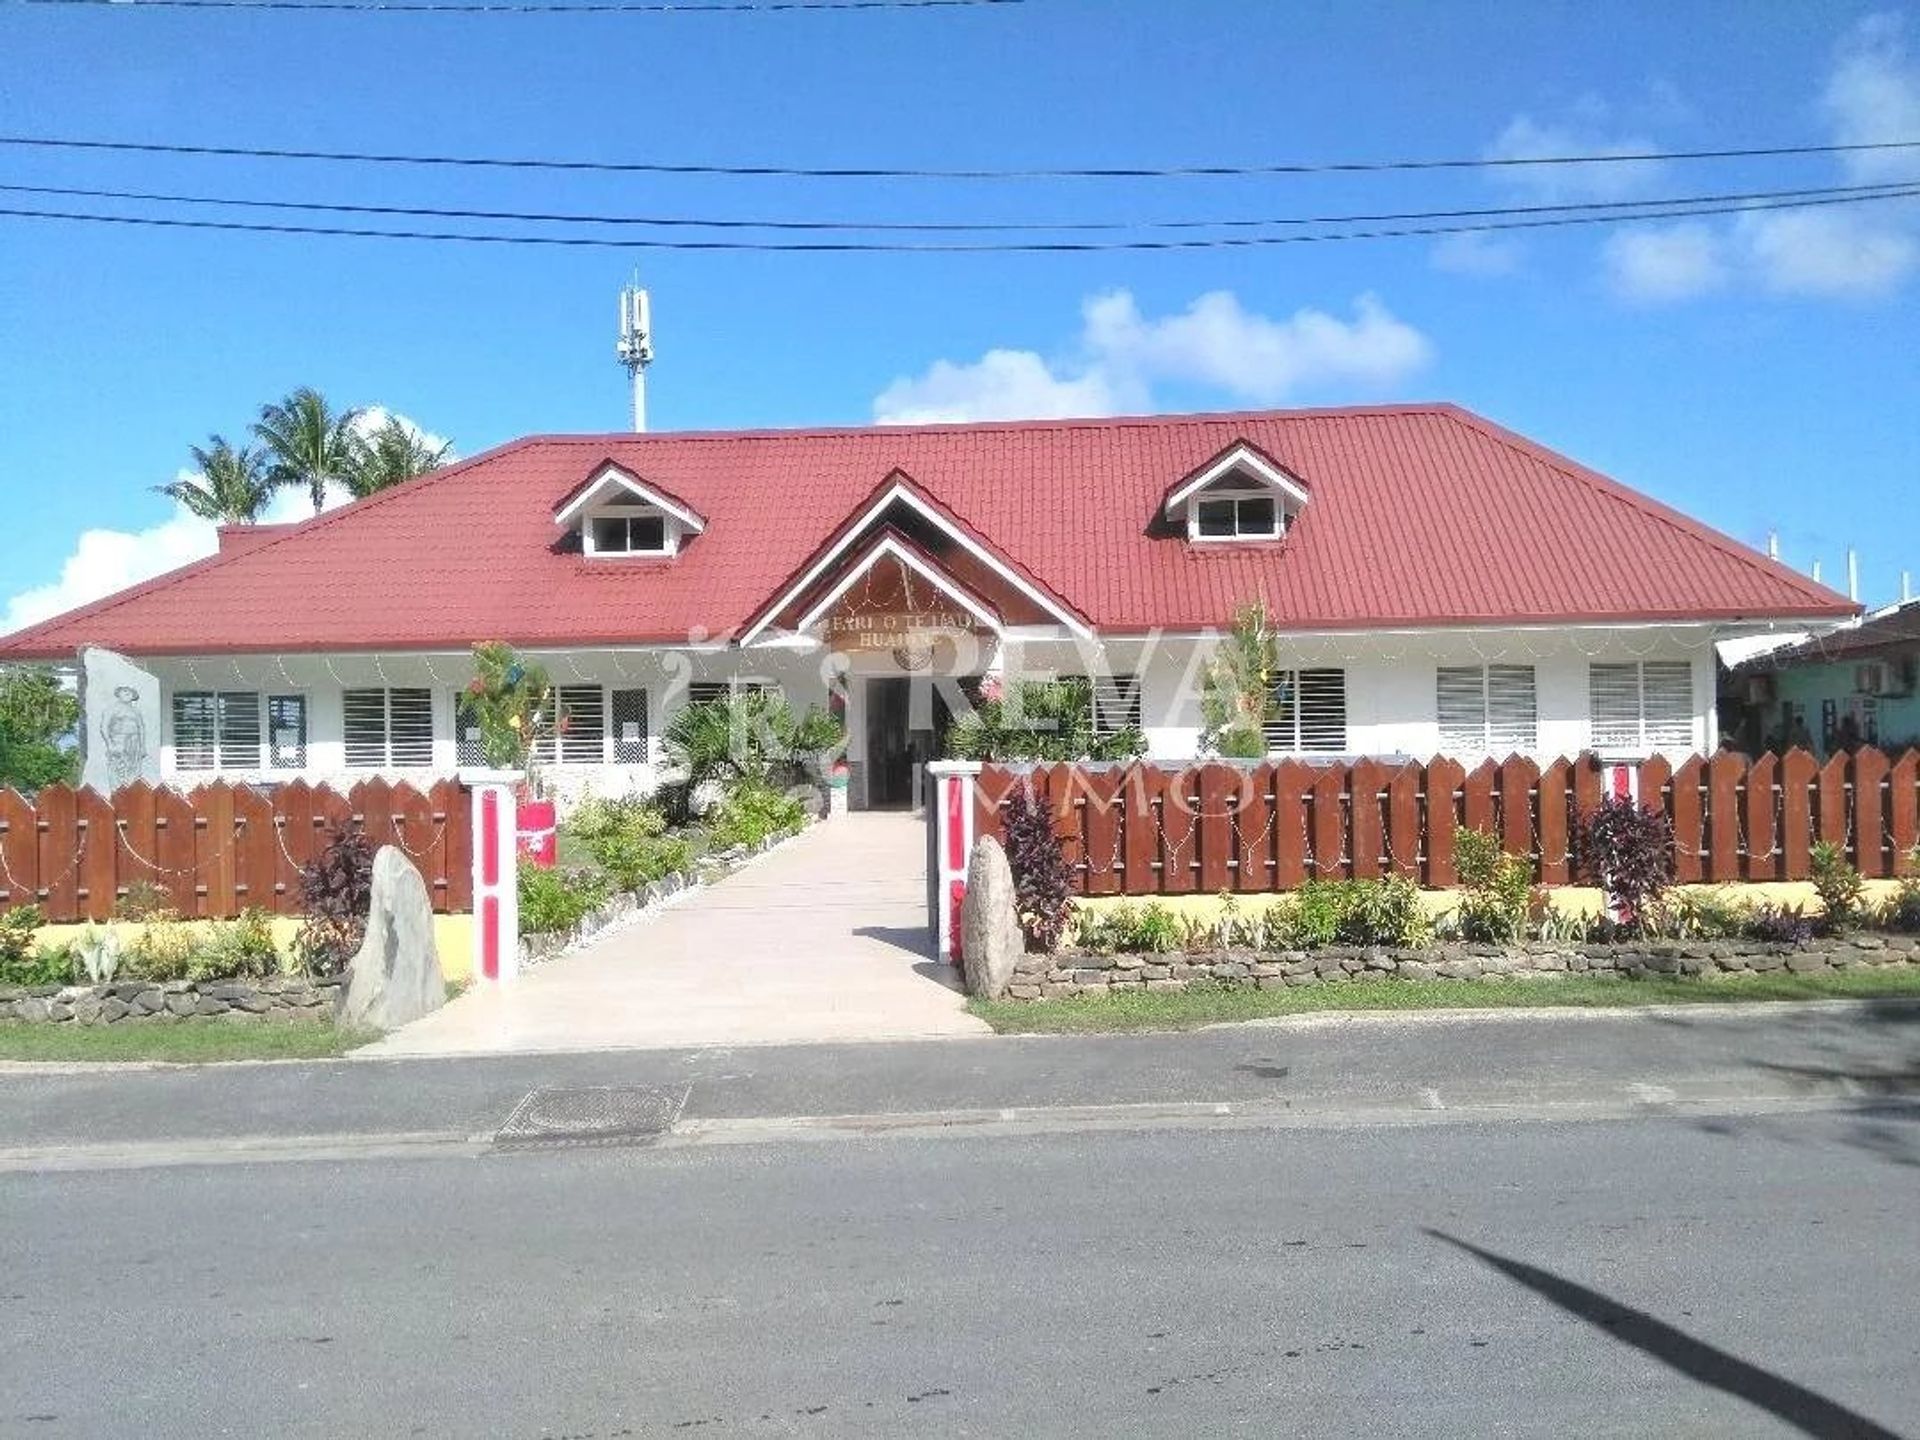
point(1902, 908)
point(1779, 924)
point(23, 963)
point(1627, 850)
point(1837, 884)
point(627, 839)
point(143, 901)
point(1498, 886)
point(1126, 928)
point(749, 813)
point(1236, 693)
point(336, 892)
point(1038, 720)
point(553, 900)
point(163, 950)
point(242, 949)
point(1350, 912)
point(17, 929)
point(1042, 883)
point(1699, 915)
point(753, 736)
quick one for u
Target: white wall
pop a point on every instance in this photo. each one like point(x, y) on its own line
point(1392, 707)
point(664, 675)
point(1391, 703)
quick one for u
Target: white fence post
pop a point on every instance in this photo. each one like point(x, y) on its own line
point(496, 876)
point(949, 843)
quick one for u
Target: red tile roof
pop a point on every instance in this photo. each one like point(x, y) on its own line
point(1422, 515)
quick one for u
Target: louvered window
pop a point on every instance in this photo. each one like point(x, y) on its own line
point(1310, 711)
point(287, 732)
point(1487, 709)
point(584, 741)
point(1116, 704)
point(629, 727)
point(216, 730)
point(1641, 706)
point(389, 728)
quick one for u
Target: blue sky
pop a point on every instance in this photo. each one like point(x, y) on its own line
point(1759, 372)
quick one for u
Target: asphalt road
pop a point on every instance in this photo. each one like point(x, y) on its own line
point(1655, 1276)
point(1708, 1225)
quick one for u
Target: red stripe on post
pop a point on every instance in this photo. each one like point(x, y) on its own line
point(490, 937)
point(956, 892)
point(956, 838)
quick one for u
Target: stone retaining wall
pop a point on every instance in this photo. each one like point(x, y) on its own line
point(1052, 977)
point(277, 997)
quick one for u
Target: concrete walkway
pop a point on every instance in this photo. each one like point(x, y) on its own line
point(822, 939)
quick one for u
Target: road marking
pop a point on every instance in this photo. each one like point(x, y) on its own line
point(1430, 1098)
point(1651, 1094)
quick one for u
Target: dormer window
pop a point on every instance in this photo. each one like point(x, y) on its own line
point(616, 513)
point(1238, 515)
point(1240, 494)
point(617, 534)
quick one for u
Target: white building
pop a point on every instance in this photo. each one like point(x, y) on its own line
point(1441, 585)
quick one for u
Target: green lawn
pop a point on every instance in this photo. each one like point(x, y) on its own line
point(181, 1042)
point(1213, 1004)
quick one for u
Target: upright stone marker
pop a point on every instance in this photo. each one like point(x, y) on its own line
point(396, 976)
point(119, 722)
point(991, 941)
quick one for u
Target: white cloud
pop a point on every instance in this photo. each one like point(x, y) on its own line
point(1475, 252)
point(1215, 342)
point(1838, 254)
point(1657, 263)
point(1000, 385)
point(104, 561)
point(1873, 95)
point(1525, 138)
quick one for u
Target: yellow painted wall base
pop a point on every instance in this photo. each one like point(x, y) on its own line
point(1566, 899)
point(452, 937)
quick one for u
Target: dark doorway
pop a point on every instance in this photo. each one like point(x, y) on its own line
point(890, 756)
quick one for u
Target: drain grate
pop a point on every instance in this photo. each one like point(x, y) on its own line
point(591, 1115)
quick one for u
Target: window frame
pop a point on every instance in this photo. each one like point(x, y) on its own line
point(388, 751)
point(1486, 743)
point(1238, 495)
point(259, 756)
point(270, 748)
point(1125, 691)
point(1296, 721)
point(1651, 735)
point(628, 514)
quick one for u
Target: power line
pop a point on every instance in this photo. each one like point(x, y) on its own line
point(507, 7)
point(1218, 242)
point(1626, 208)
point(1173, 172)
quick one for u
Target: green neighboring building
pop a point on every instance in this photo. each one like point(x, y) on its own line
point(1857, 685)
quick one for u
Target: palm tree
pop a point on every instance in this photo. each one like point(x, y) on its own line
point(393, 453)
point(307, 443)
point(233, 485)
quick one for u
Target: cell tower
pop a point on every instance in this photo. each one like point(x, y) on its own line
point(636, 345)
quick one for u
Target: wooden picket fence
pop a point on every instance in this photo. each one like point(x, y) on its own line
point(219, 849)
point(1152, 829)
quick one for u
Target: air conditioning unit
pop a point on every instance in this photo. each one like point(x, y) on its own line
point(1761, 689)
point(1870, 678)
point(1903, 675)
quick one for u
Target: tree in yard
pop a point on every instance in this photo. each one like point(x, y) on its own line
point(1236, 696)
point(309, 445)
point(232, 485)
point(392, 453)
point(37, 719)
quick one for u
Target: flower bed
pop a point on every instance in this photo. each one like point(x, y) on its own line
point(623, 907)
point(1050, 977)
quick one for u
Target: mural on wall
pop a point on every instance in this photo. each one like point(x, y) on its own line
point(120, 722)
